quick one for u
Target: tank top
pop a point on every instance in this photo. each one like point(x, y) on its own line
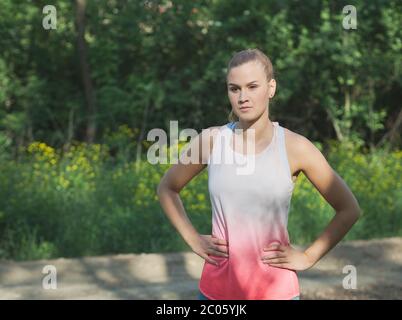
point(249, 211)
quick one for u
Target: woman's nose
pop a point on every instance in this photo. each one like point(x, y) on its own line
point(242, 96)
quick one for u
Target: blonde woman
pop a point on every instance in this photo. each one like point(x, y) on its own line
point(248, 255)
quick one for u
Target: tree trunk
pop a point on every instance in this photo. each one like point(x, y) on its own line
point(141, 136)
point(335, 125)
point(85, 69)
point(393, 132)
point(70, 130)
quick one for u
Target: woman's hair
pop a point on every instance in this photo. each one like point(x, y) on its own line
point(245, 56)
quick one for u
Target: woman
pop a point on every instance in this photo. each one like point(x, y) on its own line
point(248, 255)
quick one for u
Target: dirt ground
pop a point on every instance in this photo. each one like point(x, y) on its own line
point(175, 276)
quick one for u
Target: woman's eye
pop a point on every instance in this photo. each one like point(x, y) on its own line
point(234, 89)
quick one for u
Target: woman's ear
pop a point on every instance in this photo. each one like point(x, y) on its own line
point(271, 87)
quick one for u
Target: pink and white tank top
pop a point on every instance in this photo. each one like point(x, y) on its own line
point(249, 211)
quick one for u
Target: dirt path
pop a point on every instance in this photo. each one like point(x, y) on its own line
point(175, 276)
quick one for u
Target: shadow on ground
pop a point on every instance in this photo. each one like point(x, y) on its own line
point(378, 265)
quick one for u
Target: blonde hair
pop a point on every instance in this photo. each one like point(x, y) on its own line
point(245, 56)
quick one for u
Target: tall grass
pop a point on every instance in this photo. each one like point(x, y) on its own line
point(82, 201)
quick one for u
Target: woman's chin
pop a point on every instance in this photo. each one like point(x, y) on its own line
point(247, 117)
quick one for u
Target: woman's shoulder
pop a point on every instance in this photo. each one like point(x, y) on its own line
point(299, 149)
point(295, 140)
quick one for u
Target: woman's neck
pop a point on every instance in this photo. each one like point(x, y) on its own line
point(264, 129)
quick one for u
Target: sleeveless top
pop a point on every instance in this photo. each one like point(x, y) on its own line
point(250, 212)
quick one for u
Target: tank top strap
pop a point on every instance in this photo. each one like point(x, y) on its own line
point(281, 147)
point(231, 125)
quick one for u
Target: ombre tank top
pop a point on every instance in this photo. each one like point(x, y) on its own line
point(249, 211)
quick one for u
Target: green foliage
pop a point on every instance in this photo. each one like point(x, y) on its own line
point(77, 201)
point(155, 61)
point(169, 59)
point(371, 178)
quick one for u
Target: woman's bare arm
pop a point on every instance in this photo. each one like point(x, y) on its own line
point(175, 179)
point(335, 191)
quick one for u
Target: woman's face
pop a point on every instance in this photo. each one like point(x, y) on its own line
point(249, 91)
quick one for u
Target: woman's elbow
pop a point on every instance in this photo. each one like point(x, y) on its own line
point(160, 188)
point(163, 186)
point(355, 212)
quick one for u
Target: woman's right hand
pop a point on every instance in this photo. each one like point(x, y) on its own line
point(209, 245)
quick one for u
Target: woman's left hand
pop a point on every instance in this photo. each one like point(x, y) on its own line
point(286, 257)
